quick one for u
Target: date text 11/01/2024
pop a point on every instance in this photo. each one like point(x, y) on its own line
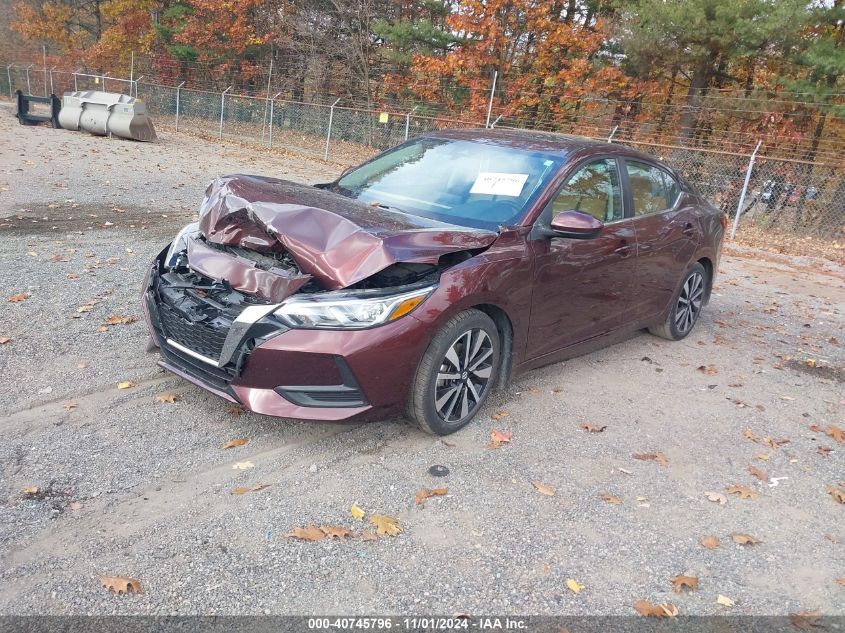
point(419, 623)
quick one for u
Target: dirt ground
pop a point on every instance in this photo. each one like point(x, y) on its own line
point(128, 485)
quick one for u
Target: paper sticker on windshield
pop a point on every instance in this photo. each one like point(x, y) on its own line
point(499, 184)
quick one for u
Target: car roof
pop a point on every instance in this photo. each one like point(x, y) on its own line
point(534, 140)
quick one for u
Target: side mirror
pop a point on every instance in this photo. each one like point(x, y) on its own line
point(575, 225)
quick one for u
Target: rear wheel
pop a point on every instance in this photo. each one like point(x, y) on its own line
point(456, 374)
point(686, 306)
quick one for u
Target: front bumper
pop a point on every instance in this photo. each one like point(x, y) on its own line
point(245, 355)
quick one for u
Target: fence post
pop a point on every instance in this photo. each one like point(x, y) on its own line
point(104, 82)
point(28, 87)
point(492, 92)
point(136, 86)
point(222, 104)
point(745, 188)
point(44, 62)
point(269, 78)
point(493, 124)
point(408, 121)
point(9, 73)
point(52, 91)
point(75, 87)
point(272, 102)
point(612, 133)
point(329, 131)
point(178, 90)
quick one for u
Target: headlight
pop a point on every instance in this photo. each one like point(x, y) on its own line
point(180, 243)
point(348, 312)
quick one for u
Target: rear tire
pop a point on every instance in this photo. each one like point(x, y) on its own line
point(687, 303)
point(456, 374)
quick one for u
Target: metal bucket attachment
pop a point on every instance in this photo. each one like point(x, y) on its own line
point(27, 115)
point(106, 113)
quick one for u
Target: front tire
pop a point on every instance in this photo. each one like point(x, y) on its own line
point(686, 306)
point(456, 373)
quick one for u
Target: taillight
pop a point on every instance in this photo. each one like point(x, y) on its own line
point(725, 222)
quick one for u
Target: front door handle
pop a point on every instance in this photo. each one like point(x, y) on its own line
point(624, 249)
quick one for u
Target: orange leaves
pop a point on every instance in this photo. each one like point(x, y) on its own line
point(19, 297)
point(169, 397)
point(679, 582)
point(606, 496)
point(744, 492)
point(836, 433)
point(307, 533)
point(710, 542)
point(589, 428)
point(649, 610)
point(235, 443)
point(544, 489)
point(500, 438)
point(121, 584)
point(745, 539)
point(116, 319)
point(385, 525)
point(241, 490)
point(426, 493)
point(759, 474)
point(837, 492)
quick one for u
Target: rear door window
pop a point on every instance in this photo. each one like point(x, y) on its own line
point(652, 189)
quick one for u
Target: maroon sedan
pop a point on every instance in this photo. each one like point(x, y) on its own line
point(420, 280)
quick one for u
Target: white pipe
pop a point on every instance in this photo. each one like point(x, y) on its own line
point(745, 187)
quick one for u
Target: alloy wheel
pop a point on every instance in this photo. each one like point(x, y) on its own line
point(689, 303)
point(464, 375)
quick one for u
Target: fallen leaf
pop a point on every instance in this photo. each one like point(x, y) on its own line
point(235, 443)
point(837, 492)
point(743, 491)
point(710, 542)
point(534, 389)
point(356, 512)
point(589, 428)
point(573, 585)
point(499, 438)
point(385, 525)
point(19, 297)
point(744, 539)
point(121, 584)
point(126, 384)
point(544, 489)
point(4, 340)
point(169, 397)
point(242, 491)
point(368, 536)
point(339, 533)
point(709, 370)
point(679, 582)
point(308, 533)
point(660, 458)
point(235, 410)
point(81, 365)
point(69, 405)
point(30, 491)
point(725, 601)
point(243, 466)
point(836, 433)
point(116, 319)
point(759, 474)
point(763, 457)
point(75, 505)
point(606, 496)
point(824, 451)
point(805, 620)
point(649, 610)
point(498, 415)
point(841, 581)
point(426, 493)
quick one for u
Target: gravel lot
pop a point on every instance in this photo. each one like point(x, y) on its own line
point(129, 486)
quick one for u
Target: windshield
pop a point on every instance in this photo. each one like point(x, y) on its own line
point(460, 182)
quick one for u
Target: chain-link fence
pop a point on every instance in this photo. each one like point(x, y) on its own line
point(792, 198)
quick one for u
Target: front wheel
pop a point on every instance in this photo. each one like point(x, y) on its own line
point(686, 306)
point(456, 373)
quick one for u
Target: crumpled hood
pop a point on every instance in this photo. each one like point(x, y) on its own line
point(337, 240)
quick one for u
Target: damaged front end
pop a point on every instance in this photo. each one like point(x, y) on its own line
point(269, 256)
